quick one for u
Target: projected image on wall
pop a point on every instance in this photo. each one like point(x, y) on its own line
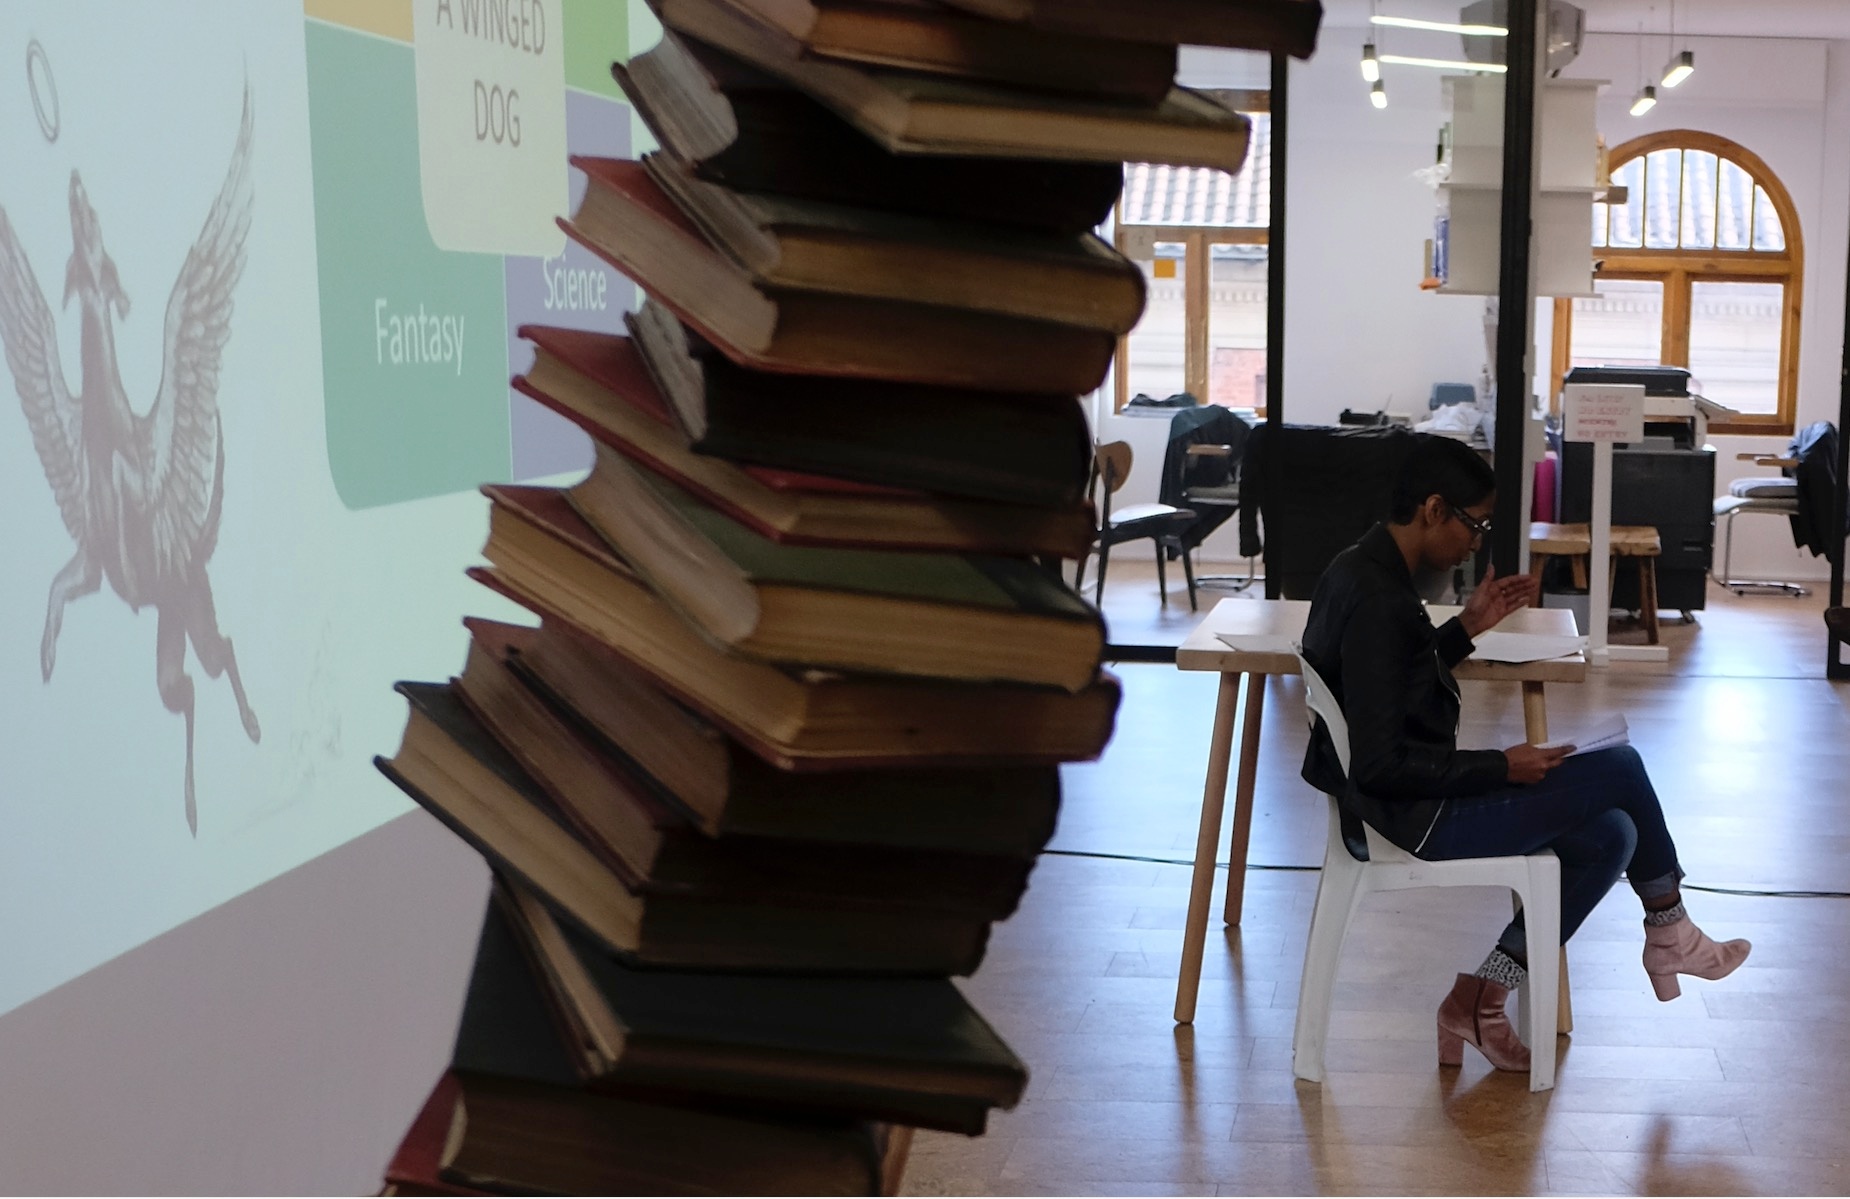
point(140, 492)
point(261, 263)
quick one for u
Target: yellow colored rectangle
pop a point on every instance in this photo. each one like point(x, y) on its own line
point(1164, 268)
point(387, 18)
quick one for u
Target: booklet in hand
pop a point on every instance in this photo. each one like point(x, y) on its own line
point(1605, 733)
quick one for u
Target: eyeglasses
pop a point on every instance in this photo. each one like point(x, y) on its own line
point(1479, 528)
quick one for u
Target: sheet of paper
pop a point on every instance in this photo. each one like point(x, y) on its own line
point(1259, 643)
point(1497, 646)
point(1603, 733)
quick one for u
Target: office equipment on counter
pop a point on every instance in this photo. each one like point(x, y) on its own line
point(1671, 410)
point(1667, 482)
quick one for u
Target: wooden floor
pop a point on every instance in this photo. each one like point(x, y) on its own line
point(1739, 1087)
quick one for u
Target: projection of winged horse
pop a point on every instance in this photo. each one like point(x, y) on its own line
point(140, 493)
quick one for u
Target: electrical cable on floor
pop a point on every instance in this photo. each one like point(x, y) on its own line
point(1218, 865)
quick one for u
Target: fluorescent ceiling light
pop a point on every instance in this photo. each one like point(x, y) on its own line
point(1442, 26)
point(1377, 95)
point(1371, 66)
point(1445, 64)
point(1679, 68)
point(1645, 101)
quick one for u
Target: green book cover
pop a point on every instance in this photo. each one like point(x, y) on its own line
point(968, 580)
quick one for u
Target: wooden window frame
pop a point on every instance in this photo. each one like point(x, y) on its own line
point(1197, 241)
point(1678, 269)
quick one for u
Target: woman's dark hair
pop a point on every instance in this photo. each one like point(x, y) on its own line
point(1441, 466)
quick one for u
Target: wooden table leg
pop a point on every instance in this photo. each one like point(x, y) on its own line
point(1534, 712)
point(1647, 597)
point(1564, 999)
point(1535, 728)
point(1537, 563)
point(1207, 841)
point(1243, 797)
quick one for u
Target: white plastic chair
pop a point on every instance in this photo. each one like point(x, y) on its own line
point(1535, 881)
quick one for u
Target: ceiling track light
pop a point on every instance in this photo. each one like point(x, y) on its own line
point(1445, 64)
point(1645, 100)
point(1679, 68)
point(1441, 26)
point(1377, 95)
point(1371, 65)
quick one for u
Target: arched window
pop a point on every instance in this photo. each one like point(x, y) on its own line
point(1700, 267)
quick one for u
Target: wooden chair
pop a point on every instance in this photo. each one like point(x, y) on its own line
point(1161, 523)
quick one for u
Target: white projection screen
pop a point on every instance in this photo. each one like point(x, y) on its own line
point(261, 263)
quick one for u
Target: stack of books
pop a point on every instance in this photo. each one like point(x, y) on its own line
point(784, 742)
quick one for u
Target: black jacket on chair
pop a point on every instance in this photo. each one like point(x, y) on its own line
point(1816, 450)
point(1391, 671)
point(1206, 425)
point(1316, 488)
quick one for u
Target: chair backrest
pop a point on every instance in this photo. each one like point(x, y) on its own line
point(1322, 703)
point(1111, 464)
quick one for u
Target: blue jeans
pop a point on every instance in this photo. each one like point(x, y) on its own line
point(1597, 812)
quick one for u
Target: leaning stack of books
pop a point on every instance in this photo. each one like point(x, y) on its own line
point(785, 740)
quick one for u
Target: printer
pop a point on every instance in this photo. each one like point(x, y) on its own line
point(1666, 481)
point(1671, 410)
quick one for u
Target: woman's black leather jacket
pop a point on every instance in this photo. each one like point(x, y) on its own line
point(1370, 638)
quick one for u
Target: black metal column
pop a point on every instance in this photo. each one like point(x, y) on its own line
point(1515, 329)
point(1280, 101)
point(1834, 665)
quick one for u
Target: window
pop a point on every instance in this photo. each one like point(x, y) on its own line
point(1700, 267)
point(1200, 237)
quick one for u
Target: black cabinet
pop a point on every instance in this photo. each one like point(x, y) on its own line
point(1673, 490)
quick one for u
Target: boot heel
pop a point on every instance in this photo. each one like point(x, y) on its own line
point(1666, 986)
point(1451, 1048)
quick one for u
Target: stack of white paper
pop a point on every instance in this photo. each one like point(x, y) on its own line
point(1497, 646)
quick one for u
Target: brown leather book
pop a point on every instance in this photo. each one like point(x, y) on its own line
point(1274, 26)
point(626, 819)
point(548, 560)
point(1034, 449)
point(628, 220)
point(598, 382)
point(811, 245)
point(935, 615)
point(755, 133)
point(910, 1050)
point(725, 788)
point(920, 35)
point(456, 770)
point(912, 113)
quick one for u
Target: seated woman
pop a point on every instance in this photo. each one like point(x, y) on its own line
point(1370, 638)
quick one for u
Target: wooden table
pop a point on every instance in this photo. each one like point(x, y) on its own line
point(1284, 620)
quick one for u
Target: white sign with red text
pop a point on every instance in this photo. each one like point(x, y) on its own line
point(1604, 412)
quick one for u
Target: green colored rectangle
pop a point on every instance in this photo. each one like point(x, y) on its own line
point(413, 338)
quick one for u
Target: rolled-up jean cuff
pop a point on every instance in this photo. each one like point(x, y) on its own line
point(1657, 888)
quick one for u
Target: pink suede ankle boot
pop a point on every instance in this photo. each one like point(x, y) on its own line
point(1474, 1012)
point(1682, 948)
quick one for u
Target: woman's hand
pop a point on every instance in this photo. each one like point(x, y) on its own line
point(1495, 599)
point(1528, 763)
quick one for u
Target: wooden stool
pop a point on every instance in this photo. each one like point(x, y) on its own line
point(1640, 542)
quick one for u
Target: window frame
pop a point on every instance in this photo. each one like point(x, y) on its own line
point(1198, 265)
point(1677, 269)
